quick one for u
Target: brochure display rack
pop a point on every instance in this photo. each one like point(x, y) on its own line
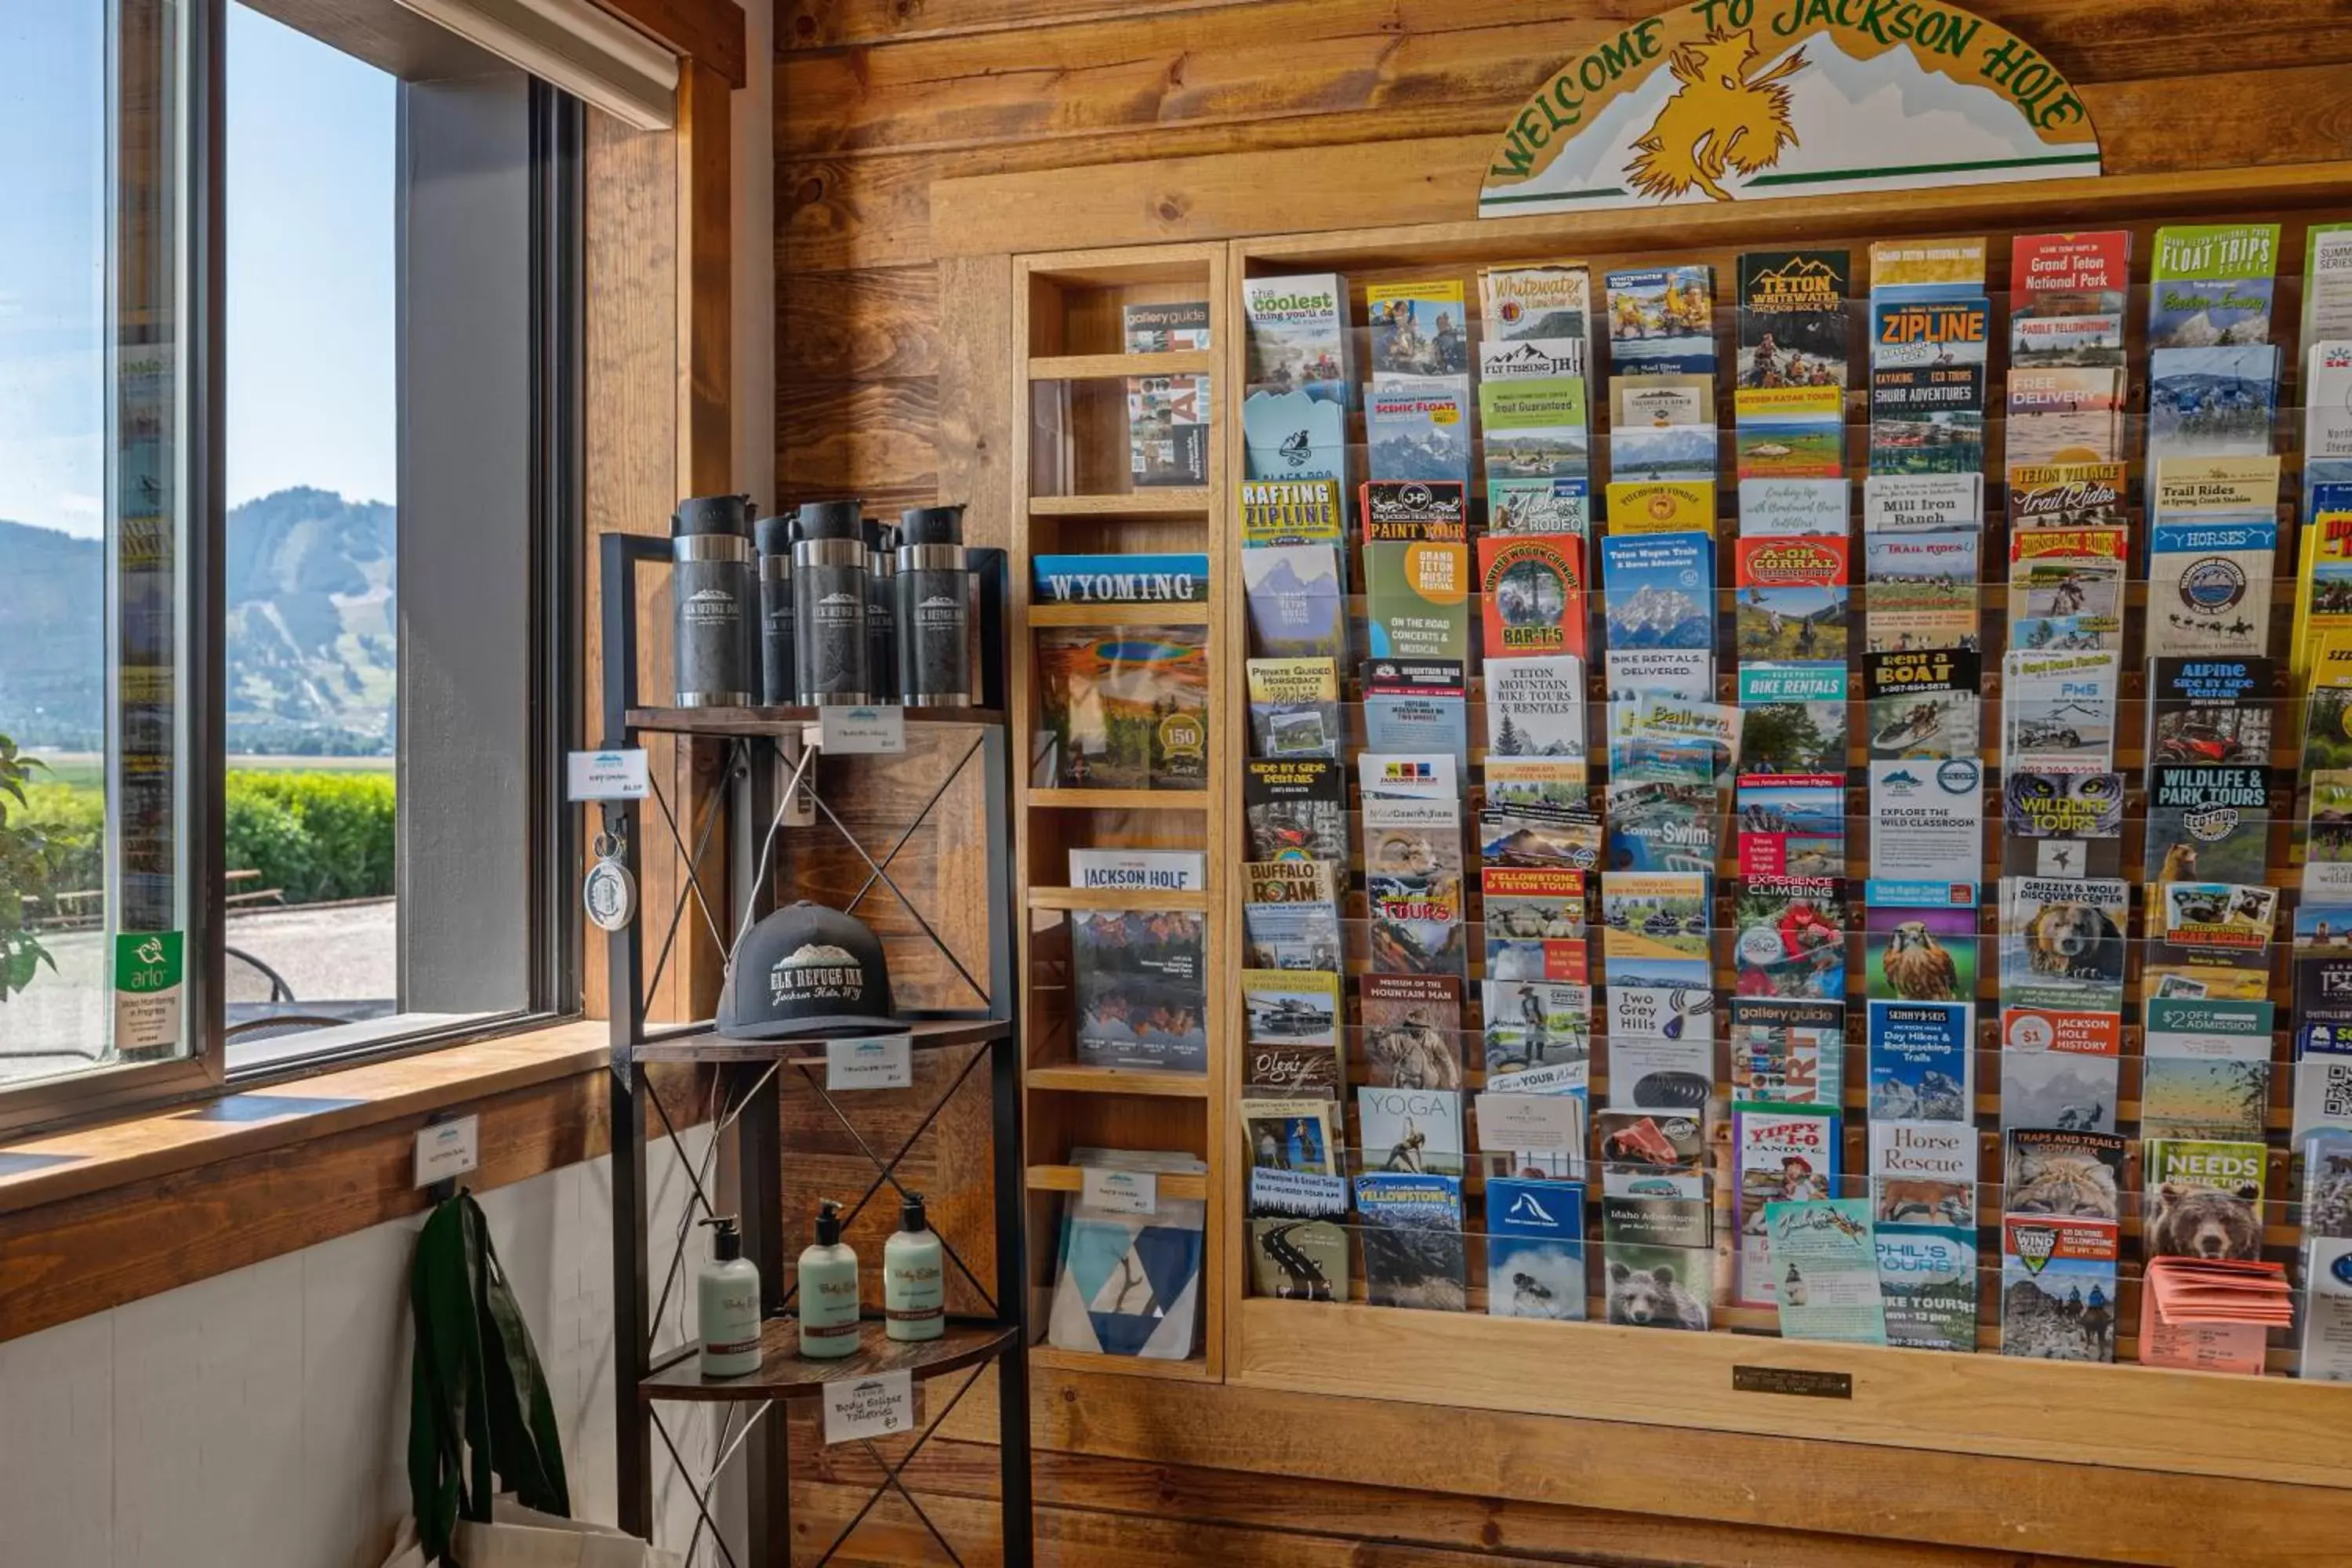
point(1990, 1390)
point(942, 798)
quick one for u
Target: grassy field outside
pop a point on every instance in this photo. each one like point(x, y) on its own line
point(314, 829)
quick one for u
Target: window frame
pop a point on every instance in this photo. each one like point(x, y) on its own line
point(556, 467)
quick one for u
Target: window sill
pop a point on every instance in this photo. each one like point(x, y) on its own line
point(96, 1216)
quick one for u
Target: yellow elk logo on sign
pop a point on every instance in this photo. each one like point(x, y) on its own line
point(1719, 121)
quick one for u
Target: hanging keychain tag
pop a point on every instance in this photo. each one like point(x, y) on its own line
point(610, 892)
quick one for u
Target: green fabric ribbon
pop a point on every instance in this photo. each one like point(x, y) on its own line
point(477, 1402)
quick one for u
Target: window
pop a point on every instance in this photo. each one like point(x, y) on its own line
point(287, 483)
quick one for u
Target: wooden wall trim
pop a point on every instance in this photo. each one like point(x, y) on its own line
point(261, 1189)
point(705, 32)
point(1435, 181)
point(1995, 1504)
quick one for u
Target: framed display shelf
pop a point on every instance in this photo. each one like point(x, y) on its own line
point(1177, 501)
point(1091, 367)
point(1119, 799)
point(929, 1033)
point(1985, 1403)
point(1114, 898)
point(785, 1373)
point(783, 721)
point(1072, 1178)
point(1118, 615)
point(1082, 1080)
point(1074, 494)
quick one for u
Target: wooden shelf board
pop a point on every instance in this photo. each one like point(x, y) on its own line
point(1094, 367)
point(1114, 898)
point(1070, 1179)
point(1176, 501)
point(1192, 1369)
point(783, 1374)
point(1118, 1080)
point(2250, 1427)
point(783, 720)
point(931, 1034)
point(1118, 615)
point(1119, 799)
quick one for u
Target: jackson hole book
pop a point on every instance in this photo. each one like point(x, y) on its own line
point(1137, 985)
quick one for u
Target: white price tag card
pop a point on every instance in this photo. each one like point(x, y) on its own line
point(1120, 1192)
point(883, 1061)
point(607, 775)
point(852, 730)
point(447, 1149)
point(882, 1405)
point(1536, 1123)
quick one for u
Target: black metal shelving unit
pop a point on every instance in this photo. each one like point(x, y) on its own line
point(768, 750)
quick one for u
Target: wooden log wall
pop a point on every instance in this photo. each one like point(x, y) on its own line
point(1306, 114)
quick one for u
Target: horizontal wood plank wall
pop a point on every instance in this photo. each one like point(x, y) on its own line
point(917, 143)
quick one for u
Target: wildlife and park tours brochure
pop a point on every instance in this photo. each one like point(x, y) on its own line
point(1781, 1153)
point(2207, 824)
point(1412, 863)
point(1416, 570)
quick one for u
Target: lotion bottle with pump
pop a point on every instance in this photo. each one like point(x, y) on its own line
point(914, 1292)
point(828, 1290)
point(727, 1293)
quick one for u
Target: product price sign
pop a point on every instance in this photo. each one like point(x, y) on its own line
point(446, 1149)
point(882, 1405)
point(884, 1061)
point(1121, 1192)
point(607, 775)
point(849, 731)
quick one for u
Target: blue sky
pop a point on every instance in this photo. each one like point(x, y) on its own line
point(310, 150)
